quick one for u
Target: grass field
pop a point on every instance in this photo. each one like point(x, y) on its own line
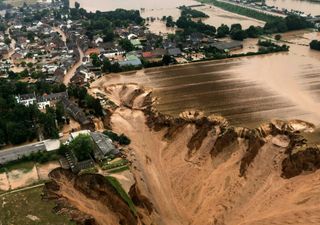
point(117, 186)
point(27, 208)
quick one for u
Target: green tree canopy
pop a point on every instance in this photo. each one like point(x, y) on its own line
point(82, 146)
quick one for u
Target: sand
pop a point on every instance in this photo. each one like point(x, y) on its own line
point(44, 169)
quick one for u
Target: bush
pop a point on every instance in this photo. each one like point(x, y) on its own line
point(122, 139)
point(315, 45)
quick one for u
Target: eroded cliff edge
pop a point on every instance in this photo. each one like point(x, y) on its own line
point(200, 170)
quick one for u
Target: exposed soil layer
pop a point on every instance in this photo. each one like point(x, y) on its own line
point(88, 199)
point(197, 170)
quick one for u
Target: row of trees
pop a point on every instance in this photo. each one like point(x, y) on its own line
point(289, 23)
point(192, 13)
point(189, 26)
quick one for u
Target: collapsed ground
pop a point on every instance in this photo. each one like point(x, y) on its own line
point(200, 170)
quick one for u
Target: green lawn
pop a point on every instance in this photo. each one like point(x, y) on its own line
point(117, 186)
point(119, 169)
point(27, 208)
point(24, 166)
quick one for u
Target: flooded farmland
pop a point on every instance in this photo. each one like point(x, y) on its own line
point(247, 90)
point(156, 9)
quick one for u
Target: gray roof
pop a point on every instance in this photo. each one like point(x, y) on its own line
point(75, 111)
point(227, 45)
point(134, 62)
point(103, 142)
point(174, 51)
point(53, 96)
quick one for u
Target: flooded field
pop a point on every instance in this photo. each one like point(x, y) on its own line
point(156, 9)
point(307, 6)
point(247, 90)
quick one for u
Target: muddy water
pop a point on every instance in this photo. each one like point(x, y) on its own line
point(247, 90)
point(158, 9)
point(307, 6)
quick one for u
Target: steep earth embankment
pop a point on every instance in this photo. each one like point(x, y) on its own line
point(199, 170)
point(88, 199)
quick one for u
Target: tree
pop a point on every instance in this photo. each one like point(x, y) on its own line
point(17, 133)
point(124, 140)
point(278, 37)
point(7, 41)
point(126, 45)
point(77, 5)
point(238, 35)
point(59, 111)
point(48, 124)
point(223, 31)
point(94, 104)
point(95, 60)
point(235, 27)
point(166, 59)
point(315, 45)
point(2, 137)
point(106, 66)
point(170, 22)
point(108, 35)
point(115, 68)
point(254, 32)
point(82, 146)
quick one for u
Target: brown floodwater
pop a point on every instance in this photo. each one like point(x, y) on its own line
point(247, 90)
point(158, 9)
point(306, 6)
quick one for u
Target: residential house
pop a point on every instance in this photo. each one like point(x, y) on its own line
point(103, 146)
point(228, 46)
point(77, 114)
point(26, 99)
point(131, 61)
point(174, 52)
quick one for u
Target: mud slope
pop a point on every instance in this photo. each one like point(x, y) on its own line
point(88, 199)
point(199, 170)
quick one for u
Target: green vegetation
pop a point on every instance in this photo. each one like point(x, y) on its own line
point(268, 46)
point(117, 186)
point(242, 10)
point(122, 139)
point(169, 21)
point(119, 163)
point(192, 13)
point(92, 170)
point(119, 169)
point(223, 31)
point(19, 123)
point(26, 163)
point(23, 166)
point(274, 24)
point(290, 23)
point(189, 26)
point(85, 100)
point(315, 45)
point(126, 45)
point(82, 146)
point(103, 23)
point(17, 206)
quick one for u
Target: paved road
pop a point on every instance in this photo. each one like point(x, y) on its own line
point(11, 154)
